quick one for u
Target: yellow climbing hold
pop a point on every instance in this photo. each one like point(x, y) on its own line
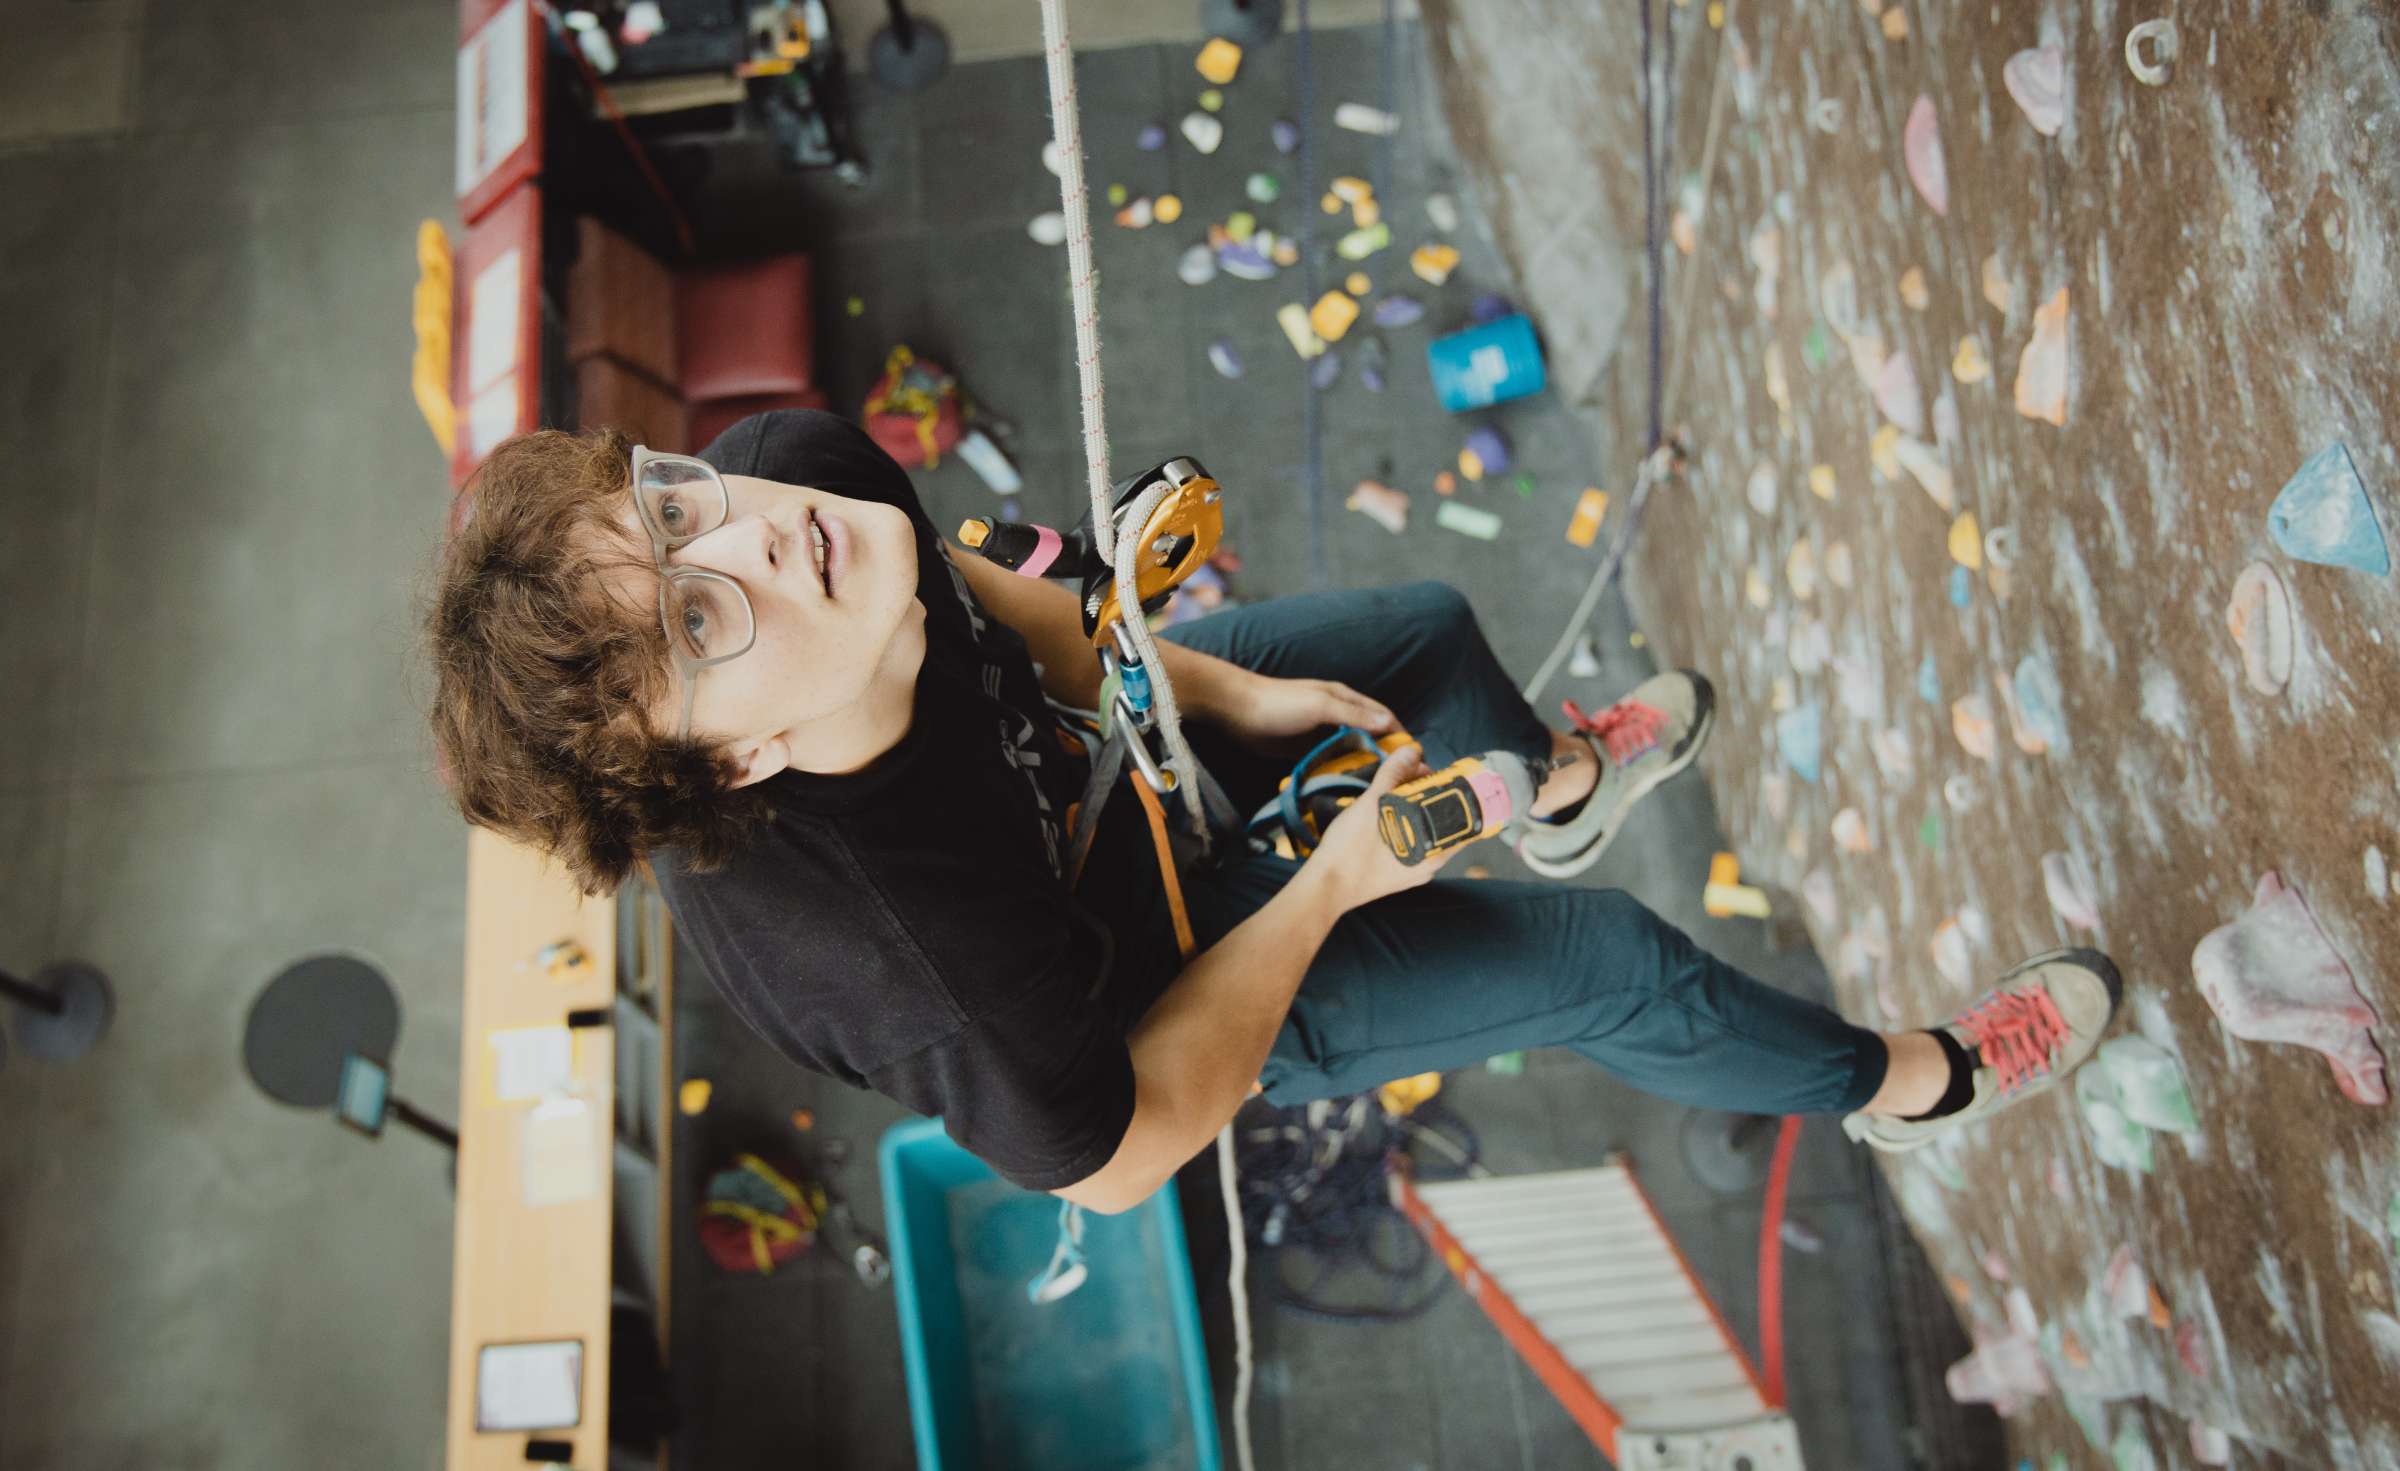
point(1350, 189)
point(692, 1097)
point(1357, 283)
point(1754, 588)
point(1331, 203)
point(1167, 209)
point(1433, 263)
point(1716, 15)
point(1883, 449)
point(1218, 61)
point(1912, 289)
point(1589, 509)
point(1292, 317)
point(1970, 365)
point(1966, 542)
point(1895, 24)
point(1996, 287)
point(1333, 314)
point(1366, 212)
point(1821, 482)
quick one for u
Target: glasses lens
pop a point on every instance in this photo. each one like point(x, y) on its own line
point(682, 498)
point(707, 617)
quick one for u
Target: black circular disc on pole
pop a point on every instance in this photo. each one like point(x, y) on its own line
point(90, 1004)
point(1248, 22)
point(310, 1017)
point(1728, 1152)
point(915, 66)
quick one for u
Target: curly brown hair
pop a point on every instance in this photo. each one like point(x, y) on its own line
point(546, 668)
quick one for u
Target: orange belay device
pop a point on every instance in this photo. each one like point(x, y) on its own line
point(1579, 1274)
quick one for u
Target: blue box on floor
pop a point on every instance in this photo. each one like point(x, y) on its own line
point(1114, 1375)
point(1485, 365)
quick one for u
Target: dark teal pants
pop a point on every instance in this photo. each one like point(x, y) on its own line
point(1461, 969)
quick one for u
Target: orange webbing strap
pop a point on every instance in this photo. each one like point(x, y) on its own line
point(1166, 865)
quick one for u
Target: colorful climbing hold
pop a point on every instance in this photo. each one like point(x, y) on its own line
point(1197, 266)
point(1433, 263)
point(1921, 152)
point(1048, 229)
point(1224, 359)
point(1838, 570)
point(1399, 311)
point(1361, 243)
point(2259, 614)
point(1962, 587)
point(1212, 100)
point(1968, 364)
point(1761, 490)
point(1800, 570)
point(1799, 736)
point(2037, 79)
point(2038, 702)
point(1469, 520)
point(1285, 134)
point(1218, 60)
point(2067, 881)
point(1203, 131)
point(1850, 833)
point(2150, 51)
point(1997, 289)
point(2323, 515)
point(1151, 138)
point(1816, 348)
point(1292, 317)
point(1913, 292)
point(1262, 188)
point(2042, 368)
point(1486, 452)
point(2149, 1084)
point(2271, 975)
point(1896, 393)
point(1929, 832)
point(1357, 117)
point(2119, 1142)
point(1929, 683)
point(1168, 209)
point(1333, 314)
point(1924, 465)
point(1590, 507)
point(1385, 506)
point(1971, 723)
point(1325, 368)
point(1966, 542)
point(1821, 482)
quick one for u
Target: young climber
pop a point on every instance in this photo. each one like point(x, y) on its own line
point(829, 737)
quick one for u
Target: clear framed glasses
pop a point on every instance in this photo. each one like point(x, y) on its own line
point(706, 615)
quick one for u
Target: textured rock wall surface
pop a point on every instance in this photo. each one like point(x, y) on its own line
point(1862, 372)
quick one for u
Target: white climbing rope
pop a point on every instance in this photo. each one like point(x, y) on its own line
point(1067, 126)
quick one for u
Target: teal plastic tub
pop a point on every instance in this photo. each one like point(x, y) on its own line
point(1112, 1377)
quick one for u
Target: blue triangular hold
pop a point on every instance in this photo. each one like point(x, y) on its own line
point(2323, 515)
point(1799, 734)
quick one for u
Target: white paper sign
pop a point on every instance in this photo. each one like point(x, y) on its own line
point(492, 304)
point(559, 1159)
point(491, 417)
point(529, 1386)
point(532, 1062)
point(491, 95)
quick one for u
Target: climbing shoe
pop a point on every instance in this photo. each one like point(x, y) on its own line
point(2032, 1029)
point(1639, 742)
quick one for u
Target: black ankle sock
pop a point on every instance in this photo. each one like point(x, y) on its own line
point(1961, 1091)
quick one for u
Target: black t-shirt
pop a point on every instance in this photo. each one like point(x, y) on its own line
point(906, 928)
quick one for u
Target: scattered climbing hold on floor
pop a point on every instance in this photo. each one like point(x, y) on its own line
point(1921, 151)
point(1361, 243)
point(1333, 314)
point(1151, 138)
point(855, 306)
point(1196, 266)
point(1996, 287)
point(1896, 393)
point(1360, 118)
point(1850, 832)
point(1212, 100)
point(1116, 195)
point(1292, 317)
point(2323, 515)
point(1962, 587)
point(1584, 662)
point(1399, 311)
point(1725, 896)
point(2037, 80)
point(1262, 188)
point(1325, 368)
point(2149, 1084)
point(1486, 452)
point(1971, 723)
point(1357, 284)
point(1285, 134)
point(1223, 358)
point(1385, 506)
point(1526, 485)
point(2259, 614)
point(2150, 51)
point(1467, 520)
point(1821, 483)
point(1203, 131)
point(1286, 251)
point(1244, 262)
point(1137, 215)
point(1799, 736)
point(2117, 1140)
point(1433, 263)
point(1371, 363)
point(2038, 700)
point(692, 1097)
point(2042, 368)
point(2271, 975)
point(1590, 507)
point(1168, 209)
point(2067, 881)
point(1968, 364)
point(1049, 228)
point(1966, 542)
point(1219, 60)
point(1445, 482)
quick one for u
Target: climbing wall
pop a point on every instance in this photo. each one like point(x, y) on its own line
point(2041, 369)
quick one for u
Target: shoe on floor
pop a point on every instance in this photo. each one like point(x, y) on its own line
point(1639, 742)
point(2036, 1026)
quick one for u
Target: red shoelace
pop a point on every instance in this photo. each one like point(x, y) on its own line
point(1628, 728)
point(2019, 1034)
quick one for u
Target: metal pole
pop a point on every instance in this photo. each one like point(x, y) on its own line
point(432, 1128)
point(49, 1003)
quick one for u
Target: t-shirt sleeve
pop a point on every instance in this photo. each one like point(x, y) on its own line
point(1041, 1089)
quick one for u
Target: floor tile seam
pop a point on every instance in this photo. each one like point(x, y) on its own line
point(143, 132)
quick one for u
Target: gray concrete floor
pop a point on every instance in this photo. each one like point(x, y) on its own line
point(217, 765)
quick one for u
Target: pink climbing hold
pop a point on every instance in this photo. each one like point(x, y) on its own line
point(2042, 367)
point(2037, 79)
point(2187, 1348)
point(2272, 976)
point(1896, 394)
point(2067, 880)
point(2005, 1373)
point(1921, 150)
